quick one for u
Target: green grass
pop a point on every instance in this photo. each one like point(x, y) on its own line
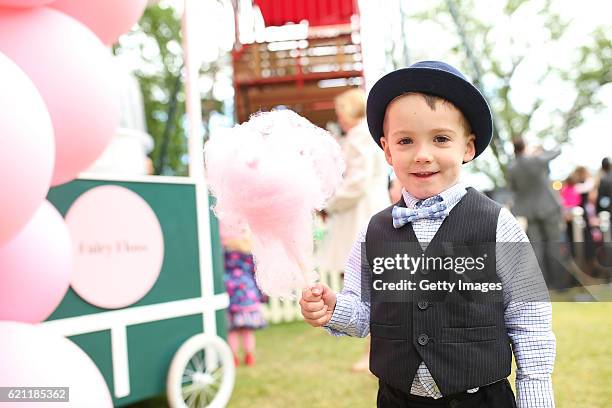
point(299, 366)
point(583, 369)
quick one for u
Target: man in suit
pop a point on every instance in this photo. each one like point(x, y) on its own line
point(535, 200)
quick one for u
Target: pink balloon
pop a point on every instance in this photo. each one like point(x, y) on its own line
point(107, 18)
point(27, 149)
point(74, 74)
point(33, 357)
point(24, 3)
point(35, 268)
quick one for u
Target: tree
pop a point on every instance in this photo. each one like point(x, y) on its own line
point(496, 57)
point(157, 43)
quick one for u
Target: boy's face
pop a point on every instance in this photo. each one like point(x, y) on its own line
point(425, 147)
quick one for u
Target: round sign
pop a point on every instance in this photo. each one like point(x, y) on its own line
point(118, 246)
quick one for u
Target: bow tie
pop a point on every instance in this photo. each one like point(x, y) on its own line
point(435, 211)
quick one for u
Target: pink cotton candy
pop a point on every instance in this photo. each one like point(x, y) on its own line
point(270, 174)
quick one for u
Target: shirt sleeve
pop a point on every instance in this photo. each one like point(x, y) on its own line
point(351, 315)
point(548, 155)
point(528, 314)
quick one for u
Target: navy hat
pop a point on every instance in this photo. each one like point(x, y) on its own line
point(434, 78)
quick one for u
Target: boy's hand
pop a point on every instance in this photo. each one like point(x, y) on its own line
point(318, 303)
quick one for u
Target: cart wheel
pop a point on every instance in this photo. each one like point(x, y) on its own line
point(201, 373)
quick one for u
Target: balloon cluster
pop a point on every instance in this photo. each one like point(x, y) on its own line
point(59, 109)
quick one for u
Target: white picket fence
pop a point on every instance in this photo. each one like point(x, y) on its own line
point(288, 310)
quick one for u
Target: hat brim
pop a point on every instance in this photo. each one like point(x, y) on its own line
point(465, 96)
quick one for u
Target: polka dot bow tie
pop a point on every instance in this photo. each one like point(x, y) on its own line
point(436, 210)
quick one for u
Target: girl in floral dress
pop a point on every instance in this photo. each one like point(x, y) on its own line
point(244, 313)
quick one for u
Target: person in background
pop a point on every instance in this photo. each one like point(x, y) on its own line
point(535, 200)
point(244, 312)
point(569, 196)
point(363, 190)
point(569, 199)
point(604, 200)
point(585, 187)
point(604, 189)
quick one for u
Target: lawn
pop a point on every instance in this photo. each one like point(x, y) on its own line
point(583, 369)
point(299, 366)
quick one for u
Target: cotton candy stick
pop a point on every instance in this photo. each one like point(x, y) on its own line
point(270, 174)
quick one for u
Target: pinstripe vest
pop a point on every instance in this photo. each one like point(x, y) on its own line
point(464, 344)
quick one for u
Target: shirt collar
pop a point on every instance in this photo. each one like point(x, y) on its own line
point(451, 197)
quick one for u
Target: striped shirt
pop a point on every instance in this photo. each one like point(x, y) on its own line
point(529, 323)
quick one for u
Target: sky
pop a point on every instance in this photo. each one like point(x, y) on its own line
point(427, 40)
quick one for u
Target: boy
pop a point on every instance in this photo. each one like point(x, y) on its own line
point(429, 120)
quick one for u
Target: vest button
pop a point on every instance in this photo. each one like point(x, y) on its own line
point(423, 339)
point(423, 304)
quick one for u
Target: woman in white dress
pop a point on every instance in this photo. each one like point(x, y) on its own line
point(364, 188)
